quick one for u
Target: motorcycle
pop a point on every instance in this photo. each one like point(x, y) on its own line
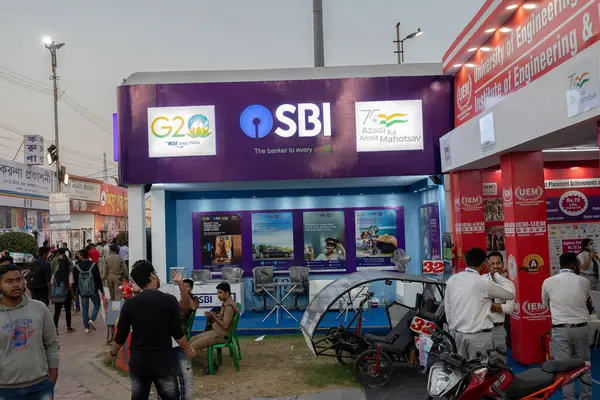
point(488, 377)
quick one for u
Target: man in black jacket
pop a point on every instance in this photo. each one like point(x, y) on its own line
point(88, 284)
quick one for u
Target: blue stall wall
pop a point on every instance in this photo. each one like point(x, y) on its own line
point(182, 224)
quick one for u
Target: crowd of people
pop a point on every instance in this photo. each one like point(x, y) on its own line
point(477, 307)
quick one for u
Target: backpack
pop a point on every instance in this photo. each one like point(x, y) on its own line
point(85, 282)
point(36, 277)
point(58, 291)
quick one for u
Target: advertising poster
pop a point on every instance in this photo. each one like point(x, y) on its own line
point(495, 239)
point(32, 219)
point(273, 239)
point(493, 210)
point(324, 247)
point(376, 237)
point(564, 238)
point(429, 226)
point(221, 240)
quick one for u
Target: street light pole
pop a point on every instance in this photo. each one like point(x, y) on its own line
point(400, 42)
point(53, 47)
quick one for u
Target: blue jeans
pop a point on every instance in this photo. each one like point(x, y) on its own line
point(166, 386)
point(77, 305)
point(41, 391)
point(85, 309)
point(184, 375)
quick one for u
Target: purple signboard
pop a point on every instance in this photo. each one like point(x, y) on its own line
point(115, 138)
point(429, 221)
point(320, 239)
point(305, 129)
point(577, 207)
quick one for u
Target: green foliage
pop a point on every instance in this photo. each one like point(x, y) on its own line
point(18, 242)
point(122, 238)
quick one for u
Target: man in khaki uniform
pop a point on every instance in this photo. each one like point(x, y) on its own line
point(221, 322)
point(114, 271)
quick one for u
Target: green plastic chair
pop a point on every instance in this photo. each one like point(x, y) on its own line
point(188, 326)
point(228, 344)
point(237, 336)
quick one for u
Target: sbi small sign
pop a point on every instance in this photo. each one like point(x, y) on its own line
point(210, 300)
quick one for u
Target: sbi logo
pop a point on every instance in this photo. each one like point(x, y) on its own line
point(306, 119)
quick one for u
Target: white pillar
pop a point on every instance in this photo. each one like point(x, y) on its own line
point(449, 203)
point(159, 233)
point(137, 223)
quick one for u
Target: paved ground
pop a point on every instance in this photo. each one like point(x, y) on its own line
point(339, 394)
point(81, 375)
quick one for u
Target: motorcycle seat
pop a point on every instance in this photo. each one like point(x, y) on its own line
point(378, 339)
point(554, 366)
point(529, 382)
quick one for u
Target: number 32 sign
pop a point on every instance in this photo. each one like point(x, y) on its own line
point(433, 267)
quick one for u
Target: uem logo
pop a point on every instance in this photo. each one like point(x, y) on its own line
point(529, 194)
point(464, 93)
point(257, 121)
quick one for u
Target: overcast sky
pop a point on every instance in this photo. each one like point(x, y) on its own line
point(108, 40)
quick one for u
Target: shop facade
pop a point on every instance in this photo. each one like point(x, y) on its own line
point(523, 157)
point(24, 199)
point(263, 168)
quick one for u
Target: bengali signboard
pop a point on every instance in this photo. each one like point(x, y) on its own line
point(33, 149)
point(60, 211)
point(80, 189)
point(535, 42)
point(113, 201)
point(23, 180)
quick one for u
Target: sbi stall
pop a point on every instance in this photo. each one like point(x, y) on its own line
point(301, 175)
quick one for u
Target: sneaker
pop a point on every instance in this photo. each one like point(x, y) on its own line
point(70, 330)
point(92, 325)
point(86, 330)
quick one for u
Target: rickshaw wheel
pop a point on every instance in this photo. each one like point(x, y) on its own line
point(372, 372)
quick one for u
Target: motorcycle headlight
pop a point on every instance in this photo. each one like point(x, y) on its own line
point(439, 382)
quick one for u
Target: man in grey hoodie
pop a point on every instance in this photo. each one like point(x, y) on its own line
point(29, 349)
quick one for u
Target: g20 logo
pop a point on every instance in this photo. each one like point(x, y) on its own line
point(305, 119)
point(198, 126)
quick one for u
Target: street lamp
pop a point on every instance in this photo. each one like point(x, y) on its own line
point(53, 47)
point(400, 42)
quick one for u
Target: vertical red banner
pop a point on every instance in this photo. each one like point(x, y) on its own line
point(467, 213)
point(527, 258)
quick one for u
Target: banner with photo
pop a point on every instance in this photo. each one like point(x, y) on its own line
point(430, 231)
point(379, 232)
point(221, 241)
point(324, 240)
point(273, 239)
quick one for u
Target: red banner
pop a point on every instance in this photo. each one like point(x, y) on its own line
point(113, 201)
point(467, 213)
point(527, 258)
point(533, 43)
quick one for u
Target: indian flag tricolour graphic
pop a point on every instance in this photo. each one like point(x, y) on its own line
point(389, 120)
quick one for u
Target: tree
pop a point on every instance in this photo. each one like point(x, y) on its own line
point(18, 242)
point(122, 238)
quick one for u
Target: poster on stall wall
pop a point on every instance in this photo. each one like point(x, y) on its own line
point(324, 240)
point(221, 241)
point(495, 239)
point(567, 238)
point(493, 210)
point(32, 219)
point(573, 200)
point(2, 218)
point(430, 231)
point(273, 239)
point(18, 218)
point(377, 236)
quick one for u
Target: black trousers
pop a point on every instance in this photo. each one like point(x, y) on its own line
point(41, 295)
point(67, 306)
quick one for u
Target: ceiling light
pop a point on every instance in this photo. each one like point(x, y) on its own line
point(512, 7)
point(529, 6)
point(485, 49)
point(571, 150)
point(457, 65)
point(469, 65)
point(504, 29)
point(472, 49)
point(491, 30)
point(574, 168)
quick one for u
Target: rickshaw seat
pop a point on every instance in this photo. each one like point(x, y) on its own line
point(378, 339)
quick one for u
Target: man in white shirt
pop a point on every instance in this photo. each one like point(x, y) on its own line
point(124, 253)
point(500, 308)
point(468, 303)
point(567, 293)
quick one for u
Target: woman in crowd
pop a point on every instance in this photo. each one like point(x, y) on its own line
point(61, 292)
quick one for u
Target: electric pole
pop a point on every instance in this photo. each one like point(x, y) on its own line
point(319, 47)
point(53, 47)
point(105, 171)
